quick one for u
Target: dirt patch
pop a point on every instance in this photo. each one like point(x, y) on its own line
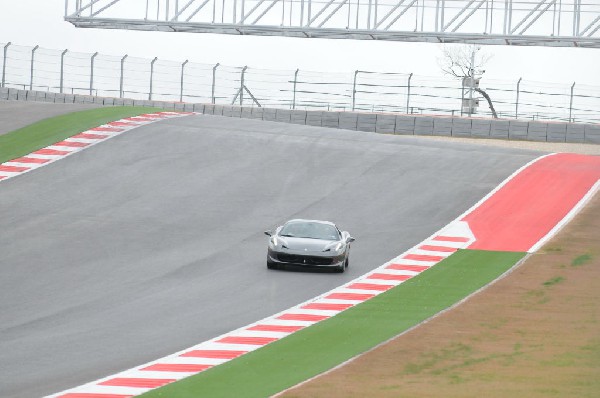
point(534, 333)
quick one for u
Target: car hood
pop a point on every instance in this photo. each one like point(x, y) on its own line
point(305, 244)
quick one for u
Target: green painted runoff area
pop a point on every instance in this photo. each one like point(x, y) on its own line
point(311, 351)
point(46, 132)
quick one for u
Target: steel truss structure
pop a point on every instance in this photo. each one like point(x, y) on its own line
point(560, 23)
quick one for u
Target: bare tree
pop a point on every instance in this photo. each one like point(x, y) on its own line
point(464, 61)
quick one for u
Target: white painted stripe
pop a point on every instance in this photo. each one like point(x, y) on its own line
point(422, 252)
point(97, 389)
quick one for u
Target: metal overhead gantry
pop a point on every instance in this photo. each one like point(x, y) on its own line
point(559, 23)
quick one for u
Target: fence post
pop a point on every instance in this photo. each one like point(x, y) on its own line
point(4, 63)
point(151, 76)
point(62, 69)
point(295, 81)
point(571, 103)
point(121, 78)
point(181, 88)
point(517, 104)
point(31, 74)
point(213, 82)
point(408, 93)
point(354, 91)
point(242, 86)
point(92, 73)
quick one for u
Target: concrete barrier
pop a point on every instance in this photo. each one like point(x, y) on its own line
point(298, 117)
point(257, 113)
point(575, 133)
point(592, 134)
point(270, 114)
point(537, 131)
point(517, 130)
point(370, 122)
point(348, 120)
point(442, 126)
point(557, 132)
point(499, 129)
point(314, 118)
point(366, 122)
point(246, 113)
point(385, 124)
point(405, 125)
point(423, 125)
point(330, 119)
point(463, 127)
point(283, 115)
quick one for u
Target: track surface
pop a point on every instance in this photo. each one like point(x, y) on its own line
point(152, 242)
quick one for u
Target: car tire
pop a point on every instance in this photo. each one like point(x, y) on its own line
point(347, 262)
point(270, 265)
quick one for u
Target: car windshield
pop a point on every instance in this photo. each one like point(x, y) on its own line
point(311, 230)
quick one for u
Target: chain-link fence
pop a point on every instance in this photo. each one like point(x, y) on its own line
point(70, 72)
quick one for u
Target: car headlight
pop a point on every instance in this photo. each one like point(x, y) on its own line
point(335, 247)
point(275, 243)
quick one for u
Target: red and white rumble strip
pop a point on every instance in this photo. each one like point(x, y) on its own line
point(249, 338)
point(76, 143)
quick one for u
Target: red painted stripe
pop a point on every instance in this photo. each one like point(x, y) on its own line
point(326, 307)
point(107, 129)
point(90, 136)
point(2, 177)
point(350, 296)
point(177, 367)
point(422, 257)
point(405, 267)
point(370, 286)
point(121, 124)
point(73, 144)
point(136, 382)
point(533, 202)
point(51, 152)
point(247, 340)
point(139, 119)
point(389, 277)
point(154, 115)
point(302, 317)
point(30, 160)
point(451, 238)
point(93, 395)
point(218, 354)
point(14, 169)
point(276, 328)
point(432, 248)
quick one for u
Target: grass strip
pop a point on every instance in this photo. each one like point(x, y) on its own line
point(320, 347)
point(46, 132)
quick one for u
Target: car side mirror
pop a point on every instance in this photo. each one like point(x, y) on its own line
point(350, 239)
point(268, 233)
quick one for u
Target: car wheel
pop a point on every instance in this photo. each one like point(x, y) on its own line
point(270, 265)
point(347, 262)
point(341, 268)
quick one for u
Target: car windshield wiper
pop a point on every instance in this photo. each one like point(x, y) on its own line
point(287, 236)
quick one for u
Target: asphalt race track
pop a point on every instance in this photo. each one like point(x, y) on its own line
point(153, 241)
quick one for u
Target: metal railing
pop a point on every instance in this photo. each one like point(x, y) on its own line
point(64, 71)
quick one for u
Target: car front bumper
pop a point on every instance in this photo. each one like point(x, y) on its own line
point(306, 259)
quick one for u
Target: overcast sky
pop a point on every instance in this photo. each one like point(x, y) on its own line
point(40, 22)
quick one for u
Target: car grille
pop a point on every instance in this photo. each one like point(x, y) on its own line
point(308, 260)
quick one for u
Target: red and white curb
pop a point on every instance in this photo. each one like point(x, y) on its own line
point(234, 344)
point(78, 142)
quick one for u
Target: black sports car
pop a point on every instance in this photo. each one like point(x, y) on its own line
point(309, 243)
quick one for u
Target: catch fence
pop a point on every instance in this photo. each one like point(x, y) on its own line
point(64, 71)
